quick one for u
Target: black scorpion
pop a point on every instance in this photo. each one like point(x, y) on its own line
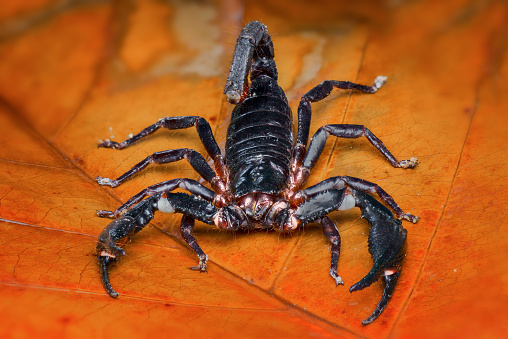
point(257, 184)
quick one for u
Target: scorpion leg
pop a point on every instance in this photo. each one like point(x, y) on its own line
point(252, 44)
point(186, 228)
point(332, 234)
point(138, 217)
point(204, 132)
point(190, 185)
point(387, 246)
point(195, 159)
point(320, 92)
point(202, 126)
point(359, 185)
point(318, 141)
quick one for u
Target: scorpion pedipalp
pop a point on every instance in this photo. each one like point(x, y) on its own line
point(140, 215)
point(387, 246)
point(390, 283)
point(104, 262)
point(119, 229)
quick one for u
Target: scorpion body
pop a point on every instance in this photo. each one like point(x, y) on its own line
point(260, 140)
point(257, 184)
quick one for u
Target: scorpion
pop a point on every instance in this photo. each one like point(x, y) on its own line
point(258, 183)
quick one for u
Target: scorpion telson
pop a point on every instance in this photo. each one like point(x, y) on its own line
point(258, 183)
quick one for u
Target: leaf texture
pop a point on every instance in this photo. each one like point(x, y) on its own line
point(73, 73)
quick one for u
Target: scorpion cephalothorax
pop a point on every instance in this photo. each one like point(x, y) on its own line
point(258, 183)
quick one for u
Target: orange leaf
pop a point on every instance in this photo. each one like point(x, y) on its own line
point(76, 73)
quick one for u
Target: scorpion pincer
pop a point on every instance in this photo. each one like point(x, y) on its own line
point(258, 183)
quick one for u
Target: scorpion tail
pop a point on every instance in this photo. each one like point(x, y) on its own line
point(104, 263)
point(387, 246)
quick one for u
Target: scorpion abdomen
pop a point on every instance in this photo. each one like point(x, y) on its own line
point(259, 140)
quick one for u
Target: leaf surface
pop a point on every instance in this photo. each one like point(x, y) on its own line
point(77, 73)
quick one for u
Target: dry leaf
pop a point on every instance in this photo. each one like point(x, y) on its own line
point(74, 73)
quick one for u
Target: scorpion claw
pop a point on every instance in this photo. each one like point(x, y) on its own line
point(377, 269)
point(104, 262)
point(366, 281)
point(390, 277)
point(387, 245)
point(119, 229)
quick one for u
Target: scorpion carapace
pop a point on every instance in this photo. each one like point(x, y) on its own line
point(258, 183)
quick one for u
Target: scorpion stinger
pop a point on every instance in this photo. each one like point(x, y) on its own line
point(258, 183)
